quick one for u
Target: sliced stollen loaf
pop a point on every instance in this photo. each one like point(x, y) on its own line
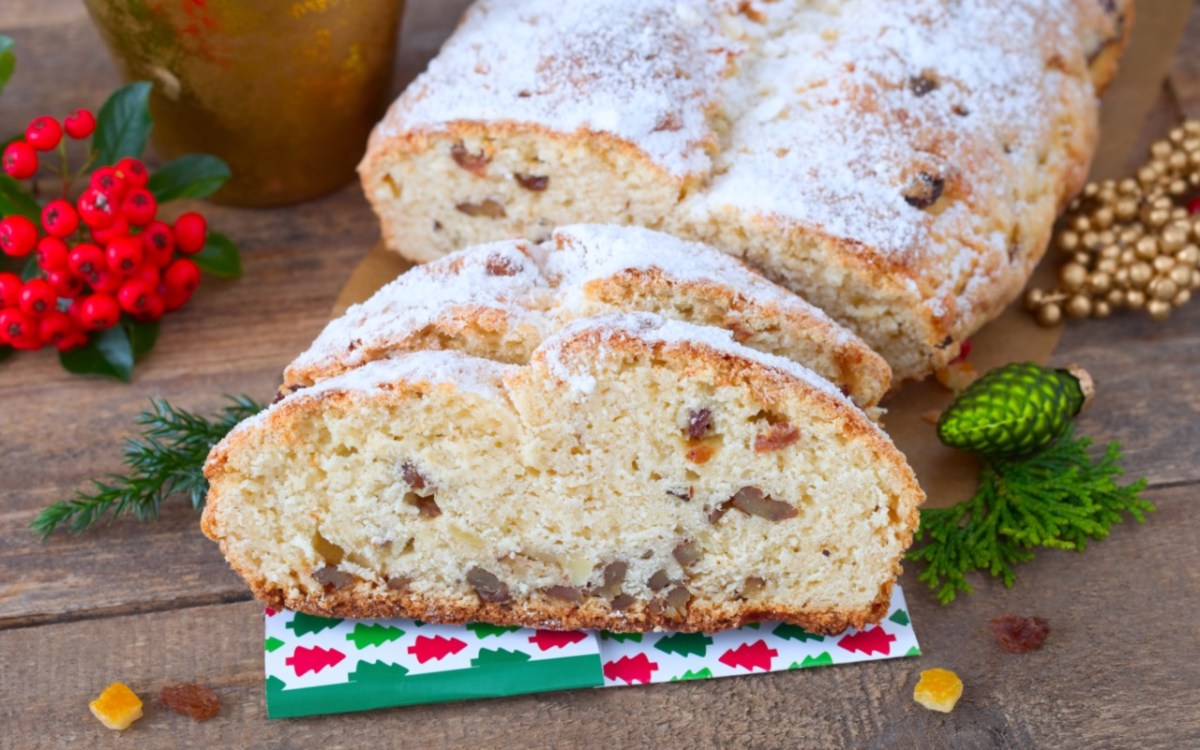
point(638, 473)
point(900, 164)
point(500, 300)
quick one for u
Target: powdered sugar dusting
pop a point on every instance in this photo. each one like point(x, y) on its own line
point(655, 329)
point(643, 70)
point(499, 276)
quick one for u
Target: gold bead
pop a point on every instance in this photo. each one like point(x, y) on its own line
point(1163, 263)
point(1128, 186)
point(1121, 278)
point(1161, 201)
point(1081, 224)
point(1194, 160)
point(1163, 289)
point(1090, 190)
point(1101, 309)
point(1158, 309)
point(1125, 209)
point(1072, 276)
point(1089, 240)
point(1033, 298)
point(1107, 266)
point(1074, 205)
point(1116, 298)
point(1190, 144)
point(1049, 314)
point(1110, 250)
point(1131, 234)
point(1135, 299)
point(1176, 135)
point(1159, 166)
point(1177, 161)
point(1140, 274)
point(1191, 127)
point(1068, 241)
point(1146, 248)
point(1082, 259)
point(1127, 257)
point(1101, 281)
point(1172, 239)
point(1156, 217)
point(1106, 237)
point(1189, 255)
point(1182, 298)
point(1182, 276)
point(1196, 228)
point(1161, 149)
point(1179, 213)
point(1147, 176)
point(1178, 187)
point(1079, 306)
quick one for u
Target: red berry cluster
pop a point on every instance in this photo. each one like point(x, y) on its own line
point(102, 255)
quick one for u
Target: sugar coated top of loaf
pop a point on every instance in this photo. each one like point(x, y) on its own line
point(643, 70)
point(656, 329)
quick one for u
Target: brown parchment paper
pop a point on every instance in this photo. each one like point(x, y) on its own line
point(948, 476)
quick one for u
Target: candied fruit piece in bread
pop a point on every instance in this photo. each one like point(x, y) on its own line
point(564, 493)
point(900, 164)
point(500, 300)
point(117, 706)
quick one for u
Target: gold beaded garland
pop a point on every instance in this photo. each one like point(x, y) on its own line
point(1131, 244)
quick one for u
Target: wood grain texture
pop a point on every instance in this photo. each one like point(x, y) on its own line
point(152, 604)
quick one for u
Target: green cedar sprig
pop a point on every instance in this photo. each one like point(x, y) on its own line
point(168, 459)
point(1058, 498)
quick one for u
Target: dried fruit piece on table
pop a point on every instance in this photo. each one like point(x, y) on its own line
point(196, 701)
point(938, 690)
point(1015, 410)
point(1020, 635)
point(117, 707)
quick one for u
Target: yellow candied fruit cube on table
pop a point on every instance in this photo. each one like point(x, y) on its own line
point(938, 690)
point(117, 707)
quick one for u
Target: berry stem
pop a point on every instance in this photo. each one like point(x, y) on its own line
point(65, 173)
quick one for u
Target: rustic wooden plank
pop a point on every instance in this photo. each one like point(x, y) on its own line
point(1102, 679)
point(1185, 69)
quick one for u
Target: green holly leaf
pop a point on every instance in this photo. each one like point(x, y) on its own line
point(272, 644)
point(483, 630)
point(219, 257)
point(190, 176)
point(123, 124)
point(620, 637)
point(900, 617)
point(488, 657)
point(794, 633)
point(141, 337)
point(31, 269)
point(14, 200)
point(684, 644)
point(8, 61)
point(373, 635)
point(702, 674)
point(108, 353)
point(303, 624)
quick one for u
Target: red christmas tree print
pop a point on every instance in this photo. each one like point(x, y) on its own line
point(875, 640)
point(314, 659)
point(750, 656)
point(269, 612)
point(630, 669)
point(437, 647)
point(548, 639)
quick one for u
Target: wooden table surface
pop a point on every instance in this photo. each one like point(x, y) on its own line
point(154, 603)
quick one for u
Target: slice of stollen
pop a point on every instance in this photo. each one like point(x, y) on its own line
point(637, 473)
point(500, 300)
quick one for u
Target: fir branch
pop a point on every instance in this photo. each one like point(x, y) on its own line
point(167, 459)
point(1058, 498)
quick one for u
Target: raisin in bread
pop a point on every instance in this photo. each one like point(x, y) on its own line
point(637, 473)
point(899, 164)
point(500, 300)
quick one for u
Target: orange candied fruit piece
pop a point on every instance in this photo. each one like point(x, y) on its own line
point(117, 707)
point(938, 690)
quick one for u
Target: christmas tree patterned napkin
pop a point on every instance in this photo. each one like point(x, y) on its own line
point(317, 665)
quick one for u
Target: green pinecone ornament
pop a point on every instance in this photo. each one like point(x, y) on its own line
point(1015, 410)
